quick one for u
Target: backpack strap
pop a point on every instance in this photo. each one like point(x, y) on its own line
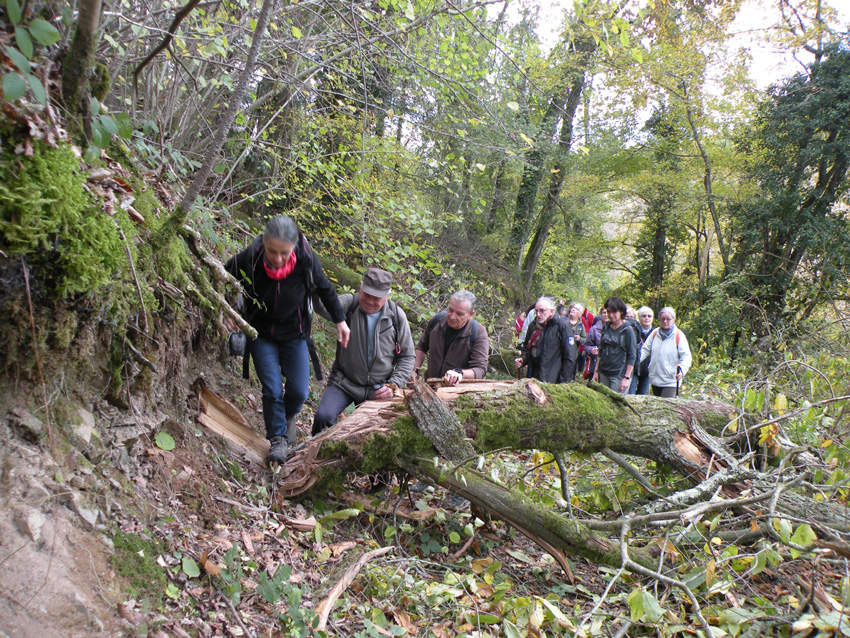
point(676, 334)
point(651, 338)
point(435, 320)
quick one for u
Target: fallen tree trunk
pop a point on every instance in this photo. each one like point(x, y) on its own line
point(523, 415)
point(430, 441)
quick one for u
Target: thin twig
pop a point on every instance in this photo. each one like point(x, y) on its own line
point(463, 549)
point(564, 469)
point(236, 615)
point(135, 277)
point(630, 469)
point(629, 564)
point(172, 29)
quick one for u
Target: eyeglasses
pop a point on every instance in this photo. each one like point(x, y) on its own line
point(645, 316)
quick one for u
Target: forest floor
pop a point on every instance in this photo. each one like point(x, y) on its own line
point(110, 534)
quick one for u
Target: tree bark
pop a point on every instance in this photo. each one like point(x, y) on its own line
point(79, 61)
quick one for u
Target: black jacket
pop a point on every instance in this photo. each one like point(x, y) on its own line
point(279, 310)
point(553, 352)
point(617, 349)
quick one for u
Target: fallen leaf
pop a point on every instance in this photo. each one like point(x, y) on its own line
point(209, 566)
point(300, 524)
point(404, 620)
point(246, 541)
point(337, 549)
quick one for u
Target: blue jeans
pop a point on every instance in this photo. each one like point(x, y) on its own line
point(642, 384)
point(273, 361)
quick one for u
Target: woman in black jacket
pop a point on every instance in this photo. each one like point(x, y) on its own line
point(278, 273)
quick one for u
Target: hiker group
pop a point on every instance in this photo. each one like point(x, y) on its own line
point(282, 279)
point(618, 348)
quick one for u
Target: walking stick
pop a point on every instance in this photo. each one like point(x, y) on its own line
point(678, 372)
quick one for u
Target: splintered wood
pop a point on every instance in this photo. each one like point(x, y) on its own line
point(224, 418)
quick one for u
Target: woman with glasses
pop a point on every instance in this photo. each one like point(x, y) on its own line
point(669, 355)
point(640, 380)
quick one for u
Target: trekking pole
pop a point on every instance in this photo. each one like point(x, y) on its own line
point(678, 372)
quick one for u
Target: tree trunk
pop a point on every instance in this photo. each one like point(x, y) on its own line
point(79, 61)
point(498, 200)
point(550, 205)
point(493, 415)
point(532, 173)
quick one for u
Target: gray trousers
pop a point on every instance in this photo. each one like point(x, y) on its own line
point(664, 391)
point(611, 382)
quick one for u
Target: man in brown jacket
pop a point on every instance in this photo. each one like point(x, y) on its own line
point(456, 344)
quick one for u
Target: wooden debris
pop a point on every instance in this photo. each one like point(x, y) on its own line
point(224, 418)
point(323, 609)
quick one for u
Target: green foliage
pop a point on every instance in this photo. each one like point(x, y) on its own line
point(15, 83)
point(104, 127)
point(294, 618)
point(790, 235)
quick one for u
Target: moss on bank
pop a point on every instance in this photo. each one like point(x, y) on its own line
point(47, 217)
point(134, 559)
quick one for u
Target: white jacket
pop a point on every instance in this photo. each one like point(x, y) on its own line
point(666, 355)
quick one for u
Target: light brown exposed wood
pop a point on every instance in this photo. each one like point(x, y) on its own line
point(323, 609)
point(224, 418)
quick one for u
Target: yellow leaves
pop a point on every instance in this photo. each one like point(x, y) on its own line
point(710, 569)
point(669, 549)
point(767, 434)
point(481, 564)
point(780, 403)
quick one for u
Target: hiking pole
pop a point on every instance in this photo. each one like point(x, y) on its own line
point(678, 372)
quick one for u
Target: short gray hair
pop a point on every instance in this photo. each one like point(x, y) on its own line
point(646, 309)
point(546, 300)
point(282, 227)
point(578, 305)
point(669, 310)
point(464, 296)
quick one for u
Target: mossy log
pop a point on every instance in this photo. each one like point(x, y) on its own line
point(530, 415)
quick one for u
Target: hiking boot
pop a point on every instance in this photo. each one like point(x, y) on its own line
point(455, 502)
point(279, 450)
point(418, 487)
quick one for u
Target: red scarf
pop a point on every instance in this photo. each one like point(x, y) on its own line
point(284, 271)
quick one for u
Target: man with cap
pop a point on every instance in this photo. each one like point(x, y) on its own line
point(379, 354)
